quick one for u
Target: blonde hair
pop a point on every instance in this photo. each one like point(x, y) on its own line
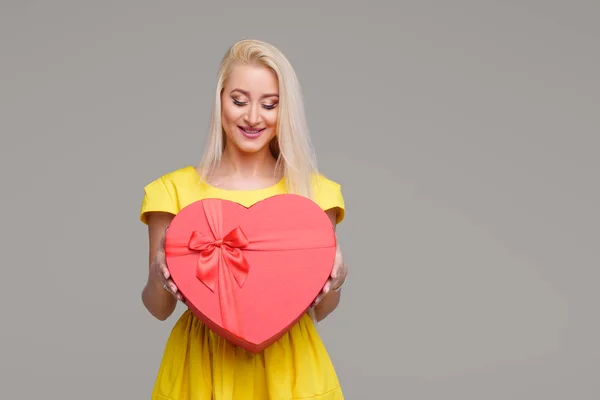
point(292, 146)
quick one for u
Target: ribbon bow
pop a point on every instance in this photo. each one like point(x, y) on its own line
point(220, 254)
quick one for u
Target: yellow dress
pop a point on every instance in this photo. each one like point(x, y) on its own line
point(198, 364)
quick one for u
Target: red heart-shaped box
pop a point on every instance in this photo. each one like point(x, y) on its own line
point(250, 273)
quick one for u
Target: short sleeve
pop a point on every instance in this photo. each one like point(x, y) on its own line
point(157, 197)
point(328, 195)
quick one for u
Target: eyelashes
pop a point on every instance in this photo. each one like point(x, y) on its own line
point(265, 106)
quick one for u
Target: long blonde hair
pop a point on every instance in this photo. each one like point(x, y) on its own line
point(292, 146)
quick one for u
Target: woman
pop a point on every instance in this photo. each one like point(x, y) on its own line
point(258, 147)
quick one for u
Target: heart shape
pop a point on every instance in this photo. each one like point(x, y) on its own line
point(250, 273)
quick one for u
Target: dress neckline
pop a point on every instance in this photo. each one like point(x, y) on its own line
point(225, 190)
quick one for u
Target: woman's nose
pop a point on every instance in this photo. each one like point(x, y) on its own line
point(253, 115)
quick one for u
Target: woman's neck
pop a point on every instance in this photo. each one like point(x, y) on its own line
point(235, 163)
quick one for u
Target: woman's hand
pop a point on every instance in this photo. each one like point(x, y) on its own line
point(337, 277)
point(161, 271)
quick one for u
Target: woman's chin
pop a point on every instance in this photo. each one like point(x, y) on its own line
point(251, 147)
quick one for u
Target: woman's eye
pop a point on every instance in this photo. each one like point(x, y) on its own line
point(242, 103)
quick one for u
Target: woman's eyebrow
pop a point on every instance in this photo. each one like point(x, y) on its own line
point(244, 92)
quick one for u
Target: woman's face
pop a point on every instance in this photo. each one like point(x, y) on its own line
point(249, 108)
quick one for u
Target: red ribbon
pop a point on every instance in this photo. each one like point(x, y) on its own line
point(221, 262)
point(212, 253)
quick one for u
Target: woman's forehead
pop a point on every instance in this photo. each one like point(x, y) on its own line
point(253, 80)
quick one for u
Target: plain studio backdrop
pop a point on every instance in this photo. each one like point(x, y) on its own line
point(465, 135)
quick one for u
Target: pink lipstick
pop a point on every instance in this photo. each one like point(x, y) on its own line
point(250, 133)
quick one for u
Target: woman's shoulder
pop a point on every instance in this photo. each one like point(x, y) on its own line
point(170, 191)
point(322, 181)
point(327, 193)
point(180, 177)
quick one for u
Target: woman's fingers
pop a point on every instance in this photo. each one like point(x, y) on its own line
point(160, 261)
point(170, 285)
point(335, 282)
point(164, 270)
point(323, 293)
point(339, 277)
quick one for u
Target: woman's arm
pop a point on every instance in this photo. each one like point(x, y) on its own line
point(159, 302)
point(331, 300)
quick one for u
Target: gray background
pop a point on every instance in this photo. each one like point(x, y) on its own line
point(464, 133)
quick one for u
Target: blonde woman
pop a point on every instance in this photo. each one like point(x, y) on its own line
point(258, 147)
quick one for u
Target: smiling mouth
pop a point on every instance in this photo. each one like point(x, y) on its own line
point(251, 132)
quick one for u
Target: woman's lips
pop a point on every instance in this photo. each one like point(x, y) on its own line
point(251, 133)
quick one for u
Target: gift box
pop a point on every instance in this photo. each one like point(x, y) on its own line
point(250, 273)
